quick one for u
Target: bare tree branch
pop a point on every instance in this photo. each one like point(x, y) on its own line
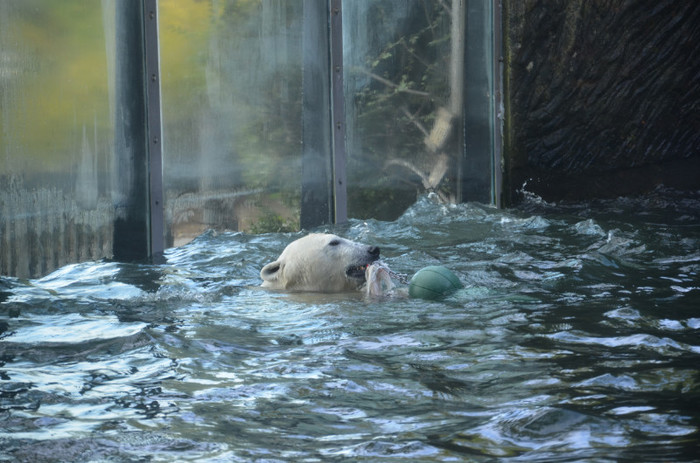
point(391, 84)
point(415, 121)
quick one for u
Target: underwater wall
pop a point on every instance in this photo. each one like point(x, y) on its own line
point(601, 97)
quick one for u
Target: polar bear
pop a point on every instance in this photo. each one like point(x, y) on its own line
point(320, 262)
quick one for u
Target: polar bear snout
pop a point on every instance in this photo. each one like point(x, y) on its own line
point(357, 271)
point(372, 255)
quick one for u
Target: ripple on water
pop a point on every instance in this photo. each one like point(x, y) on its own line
point(575, 338)
point(71, 328)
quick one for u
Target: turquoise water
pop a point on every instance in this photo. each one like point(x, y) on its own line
point(576, 337)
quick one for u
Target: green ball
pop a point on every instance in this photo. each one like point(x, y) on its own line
point(433, 283)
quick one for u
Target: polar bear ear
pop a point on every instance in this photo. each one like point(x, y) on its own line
point(272, 271)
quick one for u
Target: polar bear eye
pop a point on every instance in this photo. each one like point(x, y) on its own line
point(334, 243)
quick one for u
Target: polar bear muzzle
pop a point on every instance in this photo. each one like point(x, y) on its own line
point(357, 272)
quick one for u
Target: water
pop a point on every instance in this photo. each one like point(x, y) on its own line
point(575, 338)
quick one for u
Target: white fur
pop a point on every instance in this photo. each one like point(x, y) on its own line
point(320, 262)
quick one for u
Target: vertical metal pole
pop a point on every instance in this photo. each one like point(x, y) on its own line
point(130, 182)
point(154, 130)
point(338, 113)
point(137, 192)
point(499, 113)
point(316, 170)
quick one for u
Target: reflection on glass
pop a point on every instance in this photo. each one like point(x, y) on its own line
point(403, 102)
point(231, 93)
point(232, 116)
point(56, 136)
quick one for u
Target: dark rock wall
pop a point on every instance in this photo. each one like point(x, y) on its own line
point(602, 96)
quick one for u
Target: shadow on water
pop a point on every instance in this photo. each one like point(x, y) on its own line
point(575, 338)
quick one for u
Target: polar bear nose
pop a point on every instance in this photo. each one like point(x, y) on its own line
point(374, 251)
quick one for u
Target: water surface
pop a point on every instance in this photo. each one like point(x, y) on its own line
point(575, 338)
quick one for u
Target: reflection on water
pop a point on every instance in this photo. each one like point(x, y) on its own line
point(575, 337)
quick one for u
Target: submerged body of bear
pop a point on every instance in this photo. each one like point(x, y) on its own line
point(320, 262)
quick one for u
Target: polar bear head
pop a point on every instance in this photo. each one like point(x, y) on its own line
point(320, 262)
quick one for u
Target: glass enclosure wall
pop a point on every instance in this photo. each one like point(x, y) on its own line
point(408, 67)
point(56, 133)
point(231, 93)
point(276, 115)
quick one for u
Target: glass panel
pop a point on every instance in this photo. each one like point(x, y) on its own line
point(404, 84)
point(231, 93)
point(400, 111)
point(56, 133)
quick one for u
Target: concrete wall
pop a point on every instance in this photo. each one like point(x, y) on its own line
point(602, 97)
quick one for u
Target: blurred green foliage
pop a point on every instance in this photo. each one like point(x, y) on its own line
point(54, 83)
point(231, 96)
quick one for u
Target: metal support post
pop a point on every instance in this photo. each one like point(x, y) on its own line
point(137, 181)
point(154, 129)
point(316, 173)
point(338, 113)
